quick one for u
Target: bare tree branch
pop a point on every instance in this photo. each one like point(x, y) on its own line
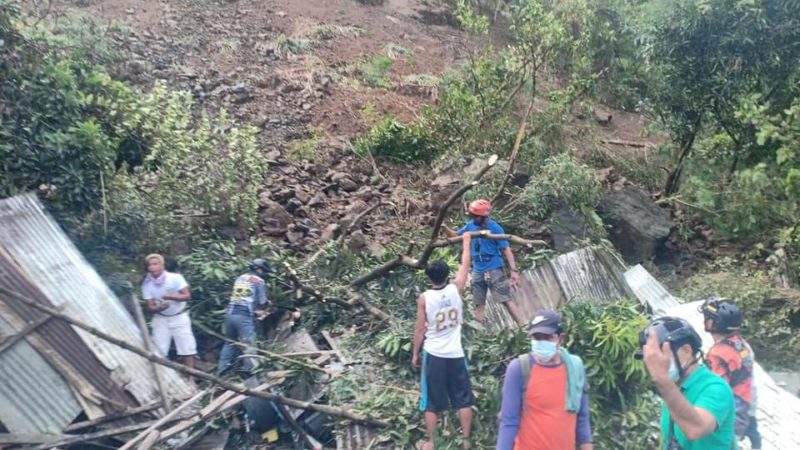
point(514, 152)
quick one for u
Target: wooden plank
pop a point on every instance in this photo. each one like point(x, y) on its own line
point(7, 342)
point(334, 347)
point(219, 405)
point(121, 415)
point(163, 420)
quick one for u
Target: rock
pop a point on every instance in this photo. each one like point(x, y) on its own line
point(637, 227)
point(264, 201)
point(318, 199)
point(359, 243)
point(330, 232)
point(444, 180)
point(348, 185)
point(294, 236)
point(568, 229)
point(293, 204)
point(302, 197)
point(272, 217)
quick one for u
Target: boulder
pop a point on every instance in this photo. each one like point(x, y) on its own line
point(568, 228)
point(636, 226)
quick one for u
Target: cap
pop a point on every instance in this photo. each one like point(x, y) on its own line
point(546, 321)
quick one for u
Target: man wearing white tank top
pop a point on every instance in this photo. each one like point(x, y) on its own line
point(445, 379)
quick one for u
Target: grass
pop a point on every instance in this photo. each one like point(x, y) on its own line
point(374, 71)
point(300, 150)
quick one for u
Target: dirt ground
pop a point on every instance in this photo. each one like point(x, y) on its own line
point(289, 68)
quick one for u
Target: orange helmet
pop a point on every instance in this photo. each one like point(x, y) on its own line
point(480, 208)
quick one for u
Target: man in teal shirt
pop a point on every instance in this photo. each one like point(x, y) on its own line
point(698, 411)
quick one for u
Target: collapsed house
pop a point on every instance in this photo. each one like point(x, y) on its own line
point(51, 373)
point(596, 275)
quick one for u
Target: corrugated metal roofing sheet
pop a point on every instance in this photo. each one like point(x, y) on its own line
point(778, 410)
point(66, 352)
point(649, 291)
point(34, 398)
point(538, 289)
point(56, 267)
point(581, 274)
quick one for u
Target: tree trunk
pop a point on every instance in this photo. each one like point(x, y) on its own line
point(674, 178)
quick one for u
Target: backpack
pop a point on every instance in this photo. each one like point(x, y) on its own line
point(568, 360)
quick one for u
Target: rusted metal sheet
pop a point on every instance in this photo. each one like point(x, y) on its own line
point(649, 291)
point(66, 351)
point(778, 410)
point(582, 275)
point(51, 263)
point(34, 398)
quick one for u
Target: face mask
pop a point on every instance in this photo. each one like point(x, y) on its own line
point(544, 350)
point(674, 372)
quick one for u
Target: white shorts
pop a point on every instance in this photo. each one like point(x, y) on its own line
point(179, 328)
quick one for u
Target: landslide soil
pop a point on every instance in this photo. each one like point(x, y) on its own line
point(290, 68)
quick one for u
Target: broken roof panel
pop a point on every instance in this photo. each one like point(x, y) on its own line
point(581, 274)
point(649, 291)
point(53, 264)
point(778, 411)
point(538, 288)
point(34, 398)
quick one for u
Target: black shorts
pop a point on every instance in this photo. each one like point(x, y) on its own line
point(445, 384)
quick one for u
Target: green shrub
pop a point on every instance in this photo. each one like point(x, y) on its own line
point(374, 71)
point(606, 336)
point(560, 179)
point(771, 317)
point(394, 141)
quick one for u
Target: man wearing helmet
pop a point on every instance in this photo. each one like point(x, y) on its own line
point(698, 408)
point(732, 358)
point(487, 261)
point(248, 300)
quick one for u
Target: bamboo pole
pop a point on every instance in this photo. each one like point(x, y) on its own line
point(148, 345)
point(154, 427)
point(267, 353)
point(236, 387)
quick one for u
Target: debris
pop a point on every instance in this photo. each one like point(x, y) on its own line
point(236, 387)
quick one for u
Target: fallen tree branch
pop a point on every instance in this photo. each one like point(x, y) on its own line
point(486, 234)
point(422, 260)
point(301, 287)
point(626, 143)
point(514, 152)
point(350, 227)
point(267, 353)
point(437, 224)
point(236, 387)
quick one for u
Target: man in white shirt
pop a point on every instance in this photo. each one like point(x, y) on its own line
point(445, 379)
point(166, 295)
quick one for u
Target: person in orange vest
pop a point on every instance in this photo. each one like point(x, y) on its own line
point(487, 261)
point(732, 358)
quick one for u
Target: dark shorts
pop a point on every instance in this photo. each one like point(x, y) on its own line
point(445, 384)
point(494, 280)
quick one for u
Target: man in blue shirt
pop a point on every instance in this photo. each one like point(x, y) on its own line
point(248, 302)
point(487, 261)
